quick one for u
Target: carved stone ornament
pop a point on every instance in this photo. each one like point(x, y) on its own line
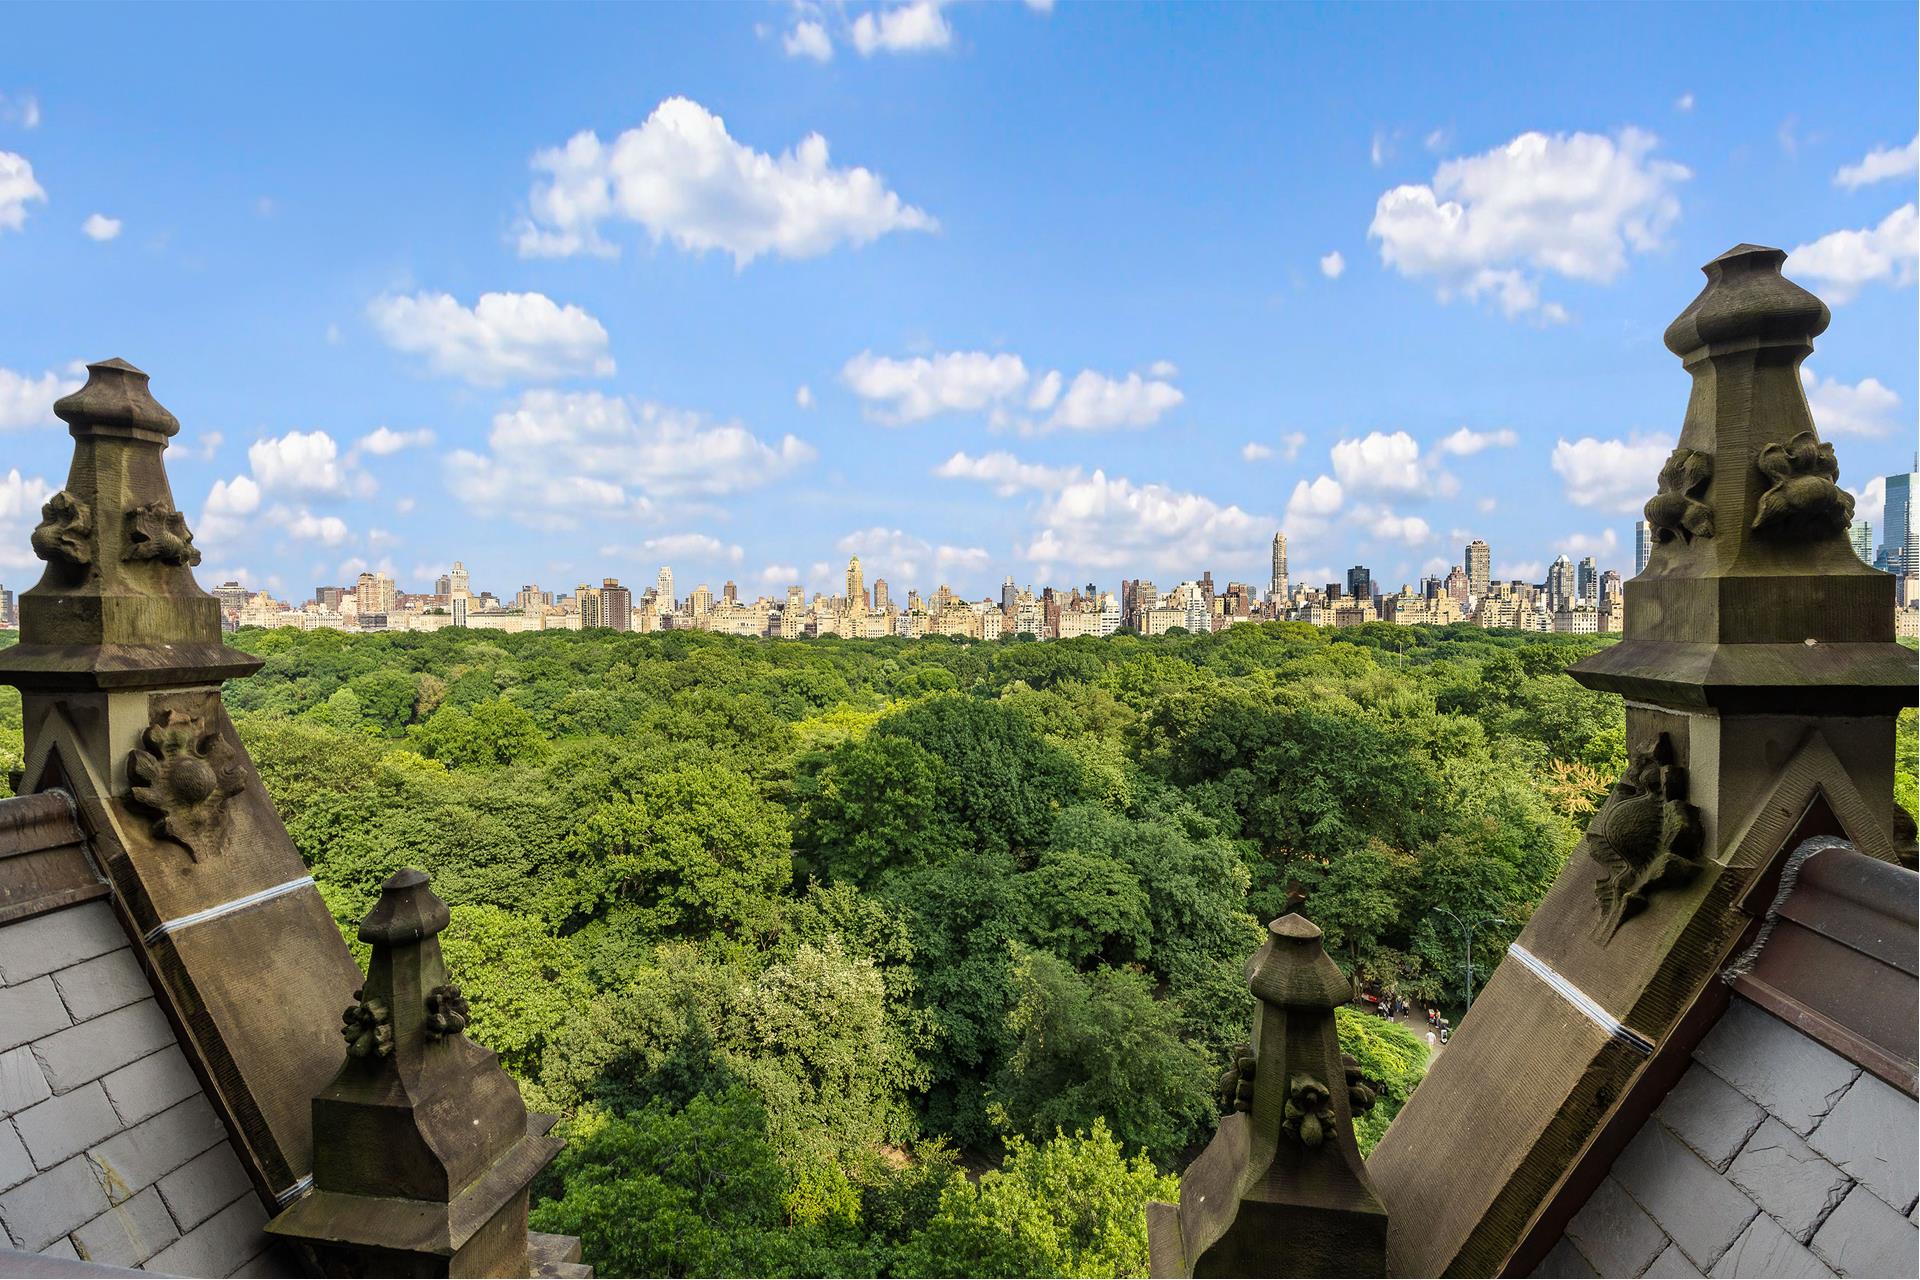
point(447, 1012)
point(187, 772)
point(367, 1028)
point(1646, 836)
point(1676, 511)
point(1309, 1116)
point(158, 532)
point(1361, 1092)
point(1234, 1089)
point(1804, 498)
point(65, 532)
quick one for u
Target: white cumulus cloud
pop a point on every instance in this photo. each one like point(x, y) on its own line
point(1571, 205)
point(298, 462)
point(1870, 505)
point(1379, 462)
point(685, 179)
point(502, 337)
point(1842, 262)
point(1333, 264)
point(803, 396)
point(18, 188)
point(99, 226)
point(383, 441)
point(898, 392)
point(1864, 409)
point(914, 27)
point(1254, 451)
point(1466, 442)
point(557, 458)
point(1313, 504)
point(1611, 475)
point(808, 39)
point(903, 558)
point(1598, 545)
point(702, 547)
point(1096, 402)
point(1007, 474)
point(27, 401)
point(20, 502)
point(1880, 164)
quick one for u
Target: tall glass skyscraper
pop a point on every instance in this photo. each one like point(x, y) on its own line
point(1642, 546)
point(1901, 548)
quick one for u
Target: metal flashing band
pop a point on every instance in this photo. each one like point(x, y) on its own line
point(295, 1191)
point(226, 908)
point(1580, 1000)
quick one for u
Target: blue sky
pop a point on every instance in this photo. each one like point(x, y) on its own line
point(1056, 282)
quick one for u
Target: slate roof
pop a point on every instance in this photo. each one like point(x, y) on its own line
point(1788, 1145)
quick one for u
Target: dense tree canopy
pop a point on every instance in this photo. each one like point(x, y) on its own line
point(793, 933)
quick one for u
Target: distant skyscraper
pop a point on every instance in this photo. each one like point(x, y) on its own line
point(586, 601)
point(856, 585)
point(1860, 534)
point(443, 586)
point(1360, 582)
point(1587, 581)
point(1642, 546)
point(1279, 587)
point(1479, 568)
point(663, 585)
point(1902, 536)
point(329, 597)
point(7, 622)
point(616, 605)
point(1010, 594)
point(881, 602)
point(458, 583)
point(232, 596)
point(729, 592)
point(1562, 583)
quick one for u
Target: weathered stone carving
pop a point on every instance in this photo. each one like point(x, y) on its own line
point(187, 772)
point(1646, 836)
point(1234, 1089)
point(1309, 1111)
point(1676, 510)
point(1361, 1092)
point(447, 1012)
point(65, 532)
point(367, 1027)
point(1804, 498)
point(158, 532)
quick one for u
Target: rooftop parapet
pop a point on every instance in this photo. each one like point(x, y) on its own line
point(1281, 1189)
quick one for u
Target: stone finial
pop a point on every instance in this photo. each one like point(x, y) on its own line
point(1281, 1189)
point(422, 1148)
point(117, 606)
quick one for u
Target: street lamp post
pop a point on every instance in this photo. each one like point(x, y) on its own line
point(1466, 937)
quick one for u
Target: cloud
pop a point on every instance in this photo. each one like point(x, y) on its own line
point(557, 458)
point(898, 392)
point(1313, 504)
point(1843, 261)
point(1870, 505)
point(304, 526)
point(383, 441)
point(1382, 463)
point(701, 547)
point(20, 502)
point(1291, 443)
point(684, 178)
point(99, 226)
point(779, 575)
point(1466, 442)
point(914, 27)
point(227, 505)
point(808, 39)
point(298, 462)
point(1598, 545)
point(903, 558)
point(1006, 473)
point(23, 111)
point(1864, 409)
point(1611, 475)
point(27, 402)
point(1684, 102)
point(1096, 402)
point(502, 337)
point(803, 396)
point(1100, 522)
point(1389, 526)
point(1521, 571)
point(1487, 504)
point(1880, 164)
point(1381, 149)
point(17, 189)
point(1254, 451)
point(1571, 205)
point(1333, 264)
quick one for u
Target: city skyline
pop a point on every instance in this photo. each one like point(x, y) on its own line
point(960, 336)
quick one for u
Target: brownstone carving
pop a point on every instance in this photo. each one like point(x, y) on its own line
point(447, 1012)
point(1361, 1092)
point(367, 1027)
point(65, 532)
point(158, 532)
point(1676, 510)
point(1235, 1086)
point(1646, 836)
point(187, 772)
point(1804, 498)
point(1309, 1111)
